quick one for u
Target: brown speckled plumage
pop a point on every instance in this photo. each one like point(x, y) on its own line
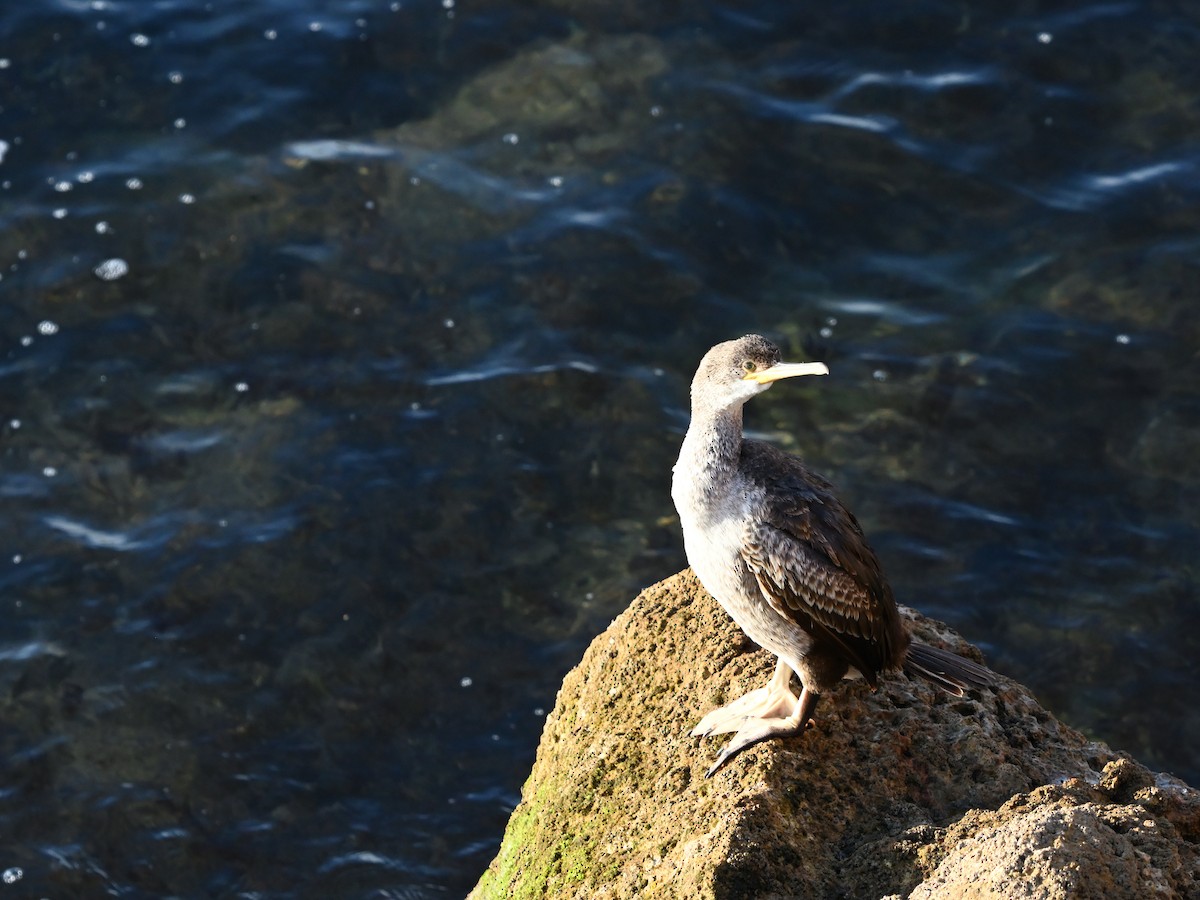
point(785, 558)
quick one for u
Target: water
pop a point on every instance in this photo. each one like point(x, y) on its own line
point(345, 351)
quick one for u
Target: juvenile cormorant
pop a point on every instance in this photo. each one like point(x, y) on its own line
point(770, 540)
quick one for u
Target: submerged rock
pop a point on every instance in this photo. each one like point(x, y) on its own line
point(906, 791)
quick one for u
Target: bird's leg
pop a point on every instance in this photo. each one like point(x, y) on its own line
point(759, 729)
point(774, 701)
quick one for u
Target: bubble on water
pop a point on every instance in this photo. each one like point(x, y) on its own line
point(134, 184)
point(12, 875)
point(270, 34)
point(111, 269)
point(14, 424)
point(1123, 339)
point(187, 198)
point(511, 138)
point(241, 387)
point(63, 186)
point(448, 323)
point(5, 63)
point(1045, 37)
point(181, 122)
point(175, 77)
point(826, 332)
point(17, 559)
point(26, 341)
point(59, 213)
point(85, 177)
point(3, 150)
point(656, 111)
point(879, 375)
point(314, 26)
point(103, 228)
point(46, 327)
point(139, 40)
point(556, 181)
point(49, 471)
point(466, 681)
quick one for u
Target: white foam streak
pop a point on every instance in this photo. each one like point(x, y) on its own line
point(501, 370)
point(1136, 176)
point(326, 150)
point(93, 537)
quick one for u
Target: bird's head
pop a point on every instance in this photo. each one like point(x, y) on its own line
point(733, 372)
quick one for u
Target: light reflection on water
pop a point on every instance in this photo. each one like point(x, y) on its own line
point(319, 480)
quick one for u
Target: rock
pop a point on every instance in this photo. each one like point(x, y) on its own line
point(906, 791)
point(1067, 840)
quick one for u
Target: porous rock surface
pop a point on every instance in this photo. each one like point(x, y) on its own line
point(902, 792)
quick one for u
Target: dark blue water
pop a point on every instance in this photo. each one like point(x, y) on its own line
point(344, 352)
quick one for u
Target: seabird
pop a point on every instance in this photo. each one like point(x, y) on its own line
point(770, 540)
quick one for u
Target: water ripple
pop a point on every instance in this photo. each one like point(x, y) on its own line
point(99, 538)
point(484, 190)
point(488, 370)
point(1137, 176)
point(337, 150)
point(825, 110)
point(1083, 193)
point(185, 440)
point(362, 858)
point(891, 311)
point(30, 650)
point(924, 83)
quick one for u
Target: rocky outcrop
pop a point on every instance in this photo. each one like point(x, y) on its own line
point(906, 791)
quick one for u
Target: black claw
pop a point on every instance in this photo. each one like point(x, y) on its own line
point(721, 760)
point(731, 750)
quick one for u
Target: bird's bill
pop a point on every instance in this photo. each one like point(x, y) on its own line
point(786, 370)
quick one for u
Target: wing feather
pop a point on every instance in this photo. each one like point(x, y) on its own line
point(813, 564)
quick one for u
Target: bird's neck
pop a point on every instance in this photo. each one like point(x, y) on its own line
point(708, 459)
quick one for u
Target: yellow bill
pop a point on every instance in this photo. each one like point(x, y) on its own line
point(786, 370)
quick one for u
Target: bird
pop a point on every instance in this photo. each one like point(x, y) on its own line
point(790, 564)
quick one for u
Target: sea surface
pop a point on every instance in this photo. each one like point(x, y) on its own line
point(344, 357)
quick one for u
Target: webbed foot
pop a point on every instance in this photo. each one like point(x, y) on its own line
point(775, 701)
point(754, 730)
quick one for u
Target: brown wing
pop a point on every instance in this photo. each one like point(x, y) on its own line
point(813, 563)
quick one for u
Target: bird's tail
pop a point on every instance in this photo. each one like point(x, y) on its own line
point(947, 670)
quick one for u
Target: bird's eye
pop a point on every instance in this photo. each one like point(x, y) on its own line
point(750, 366)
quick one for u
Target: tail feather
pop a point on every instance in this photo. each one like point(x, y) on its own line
point(947, 670)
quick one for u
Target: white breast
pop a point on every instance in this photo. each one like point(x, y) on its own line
point(712, 539)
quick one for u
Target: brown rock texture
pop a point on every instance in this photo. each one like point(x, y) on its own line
point(906, 791)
